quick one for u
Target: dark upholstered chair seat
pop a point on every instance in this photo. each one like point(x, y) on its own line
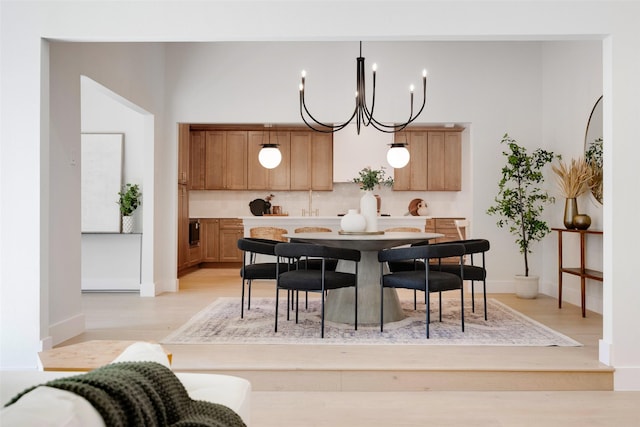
point(438, 281)
point(264, 271)
point(471, 272)
point(310, 280)
point(405, 265)
point(428, 280)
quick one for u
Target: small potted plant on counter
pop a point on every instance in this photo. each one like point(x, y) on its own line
point(520, 203)
point(130, 199)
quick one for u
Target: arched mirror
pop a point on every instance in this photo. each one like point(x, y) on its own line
point(593, 149)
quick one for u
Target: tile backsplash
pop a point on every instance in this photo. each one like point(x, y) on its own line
point(225, 204)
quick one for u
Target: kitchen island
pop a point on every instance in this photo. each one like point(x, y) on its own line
point(290, 223)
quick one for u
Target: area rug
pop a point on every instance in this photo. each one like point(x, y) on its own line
point(220, 323)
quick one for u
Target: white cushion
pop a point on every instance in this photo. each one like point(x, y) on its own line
point(50, 407)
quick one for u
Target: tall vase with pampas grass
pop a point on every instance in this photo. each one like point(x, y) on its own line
point(572, 180)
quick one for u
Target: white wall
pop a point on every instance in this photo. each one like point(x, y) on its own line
point(34, 145)
point(572, 82)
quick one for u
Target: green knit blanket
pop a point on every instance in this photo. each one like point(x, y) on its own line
point(140, 394)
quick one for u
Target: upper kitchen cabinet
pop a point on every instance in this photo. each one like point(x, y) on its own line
point(196, 160)
point(226, 160)
point(311, 161)
point(435, 164)
point(261, 178)
point(183, 153)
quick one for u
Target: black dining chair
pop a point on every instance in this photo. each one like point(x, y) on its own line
point(252, 270)
point(314, 280)
point(474, 271)
point(427, 280)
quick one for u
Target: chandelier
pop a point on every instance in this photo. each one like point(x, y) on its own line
point(362, 114)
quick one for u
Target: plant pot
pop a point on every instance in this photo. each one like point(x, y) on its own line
point(526, 286)
point(570, 211)
point(127, 224)
point(369, 210)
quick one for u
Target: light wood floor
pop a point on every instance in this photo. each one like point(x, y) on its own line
point(384, 385)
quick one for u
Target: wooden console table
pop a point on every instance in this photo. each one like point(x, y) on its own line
point(583, 272)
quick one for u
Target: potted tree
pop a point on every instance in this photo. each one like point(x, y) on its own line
point(520, 203)
point(130, 199)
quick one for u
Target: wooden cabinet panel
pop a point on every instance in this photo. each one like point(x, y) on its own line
point(435, 164)
point(214, 160)
point(235, 168)
point(311, 161)
point(321, 161)
point(230, 231)
point(300, 161)
point(261, 178)
point(183, 153)
point(209, 239)
point(197, 160)
point(183, 226)
point(435, 161)
point(453, 161)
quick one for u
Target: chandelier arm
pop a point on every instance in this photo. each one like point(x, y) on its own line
point(323, 127)
point(334, 128)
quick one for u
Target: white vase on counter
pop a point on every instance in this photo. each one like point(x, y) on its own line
point(369, 210)
point(353, 222)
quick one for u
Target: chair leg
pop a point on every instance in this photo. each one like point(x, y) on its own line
point(462, 307)
point(484, 295)
point(415, 300)
point(440, 305)
point(242, 301)
point(249, 296)
point(322, 315)
point(473, 297)
point(297, 301)
point(277, 298)
point(428, 320)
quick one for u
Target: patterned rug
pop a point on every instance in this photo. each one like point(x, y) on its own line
point(220, 323)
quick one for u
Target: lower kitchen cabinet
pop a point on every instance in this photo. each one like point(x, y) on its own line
point(219, 239)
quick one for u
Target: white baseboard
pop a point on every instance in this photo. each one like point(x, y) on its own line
point(66, 329)
point(626, 379)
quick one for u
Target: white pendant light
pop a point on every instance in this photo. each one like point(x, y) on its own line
point(269, 156)
point(398, 156)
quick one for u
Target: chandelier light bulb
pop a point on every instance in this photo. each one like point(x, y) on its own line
point(269, 156)
point(304, 73)
point(410, 88)
point(424, 73)
point(374, 67)
point(301, 87)
point(398, 156)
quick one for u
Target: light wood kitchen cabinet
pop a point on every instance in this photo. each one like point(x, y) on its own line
point(197, 160)
point(219, 239)
point(311, 161)
point(225, 160)
point(436, 161)
point(209, 239)
point(261, 178)
point(231, 230)
point(183, 153)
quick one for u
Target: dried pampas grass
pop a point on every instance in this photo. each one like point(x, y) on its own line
point(572, 179)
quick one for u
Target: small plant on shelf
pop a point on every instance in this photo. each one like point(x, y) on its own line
point(368, 178)
point(130, 199)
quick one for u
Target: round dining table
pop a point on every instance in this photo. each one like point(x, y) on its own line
point(339, 305)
